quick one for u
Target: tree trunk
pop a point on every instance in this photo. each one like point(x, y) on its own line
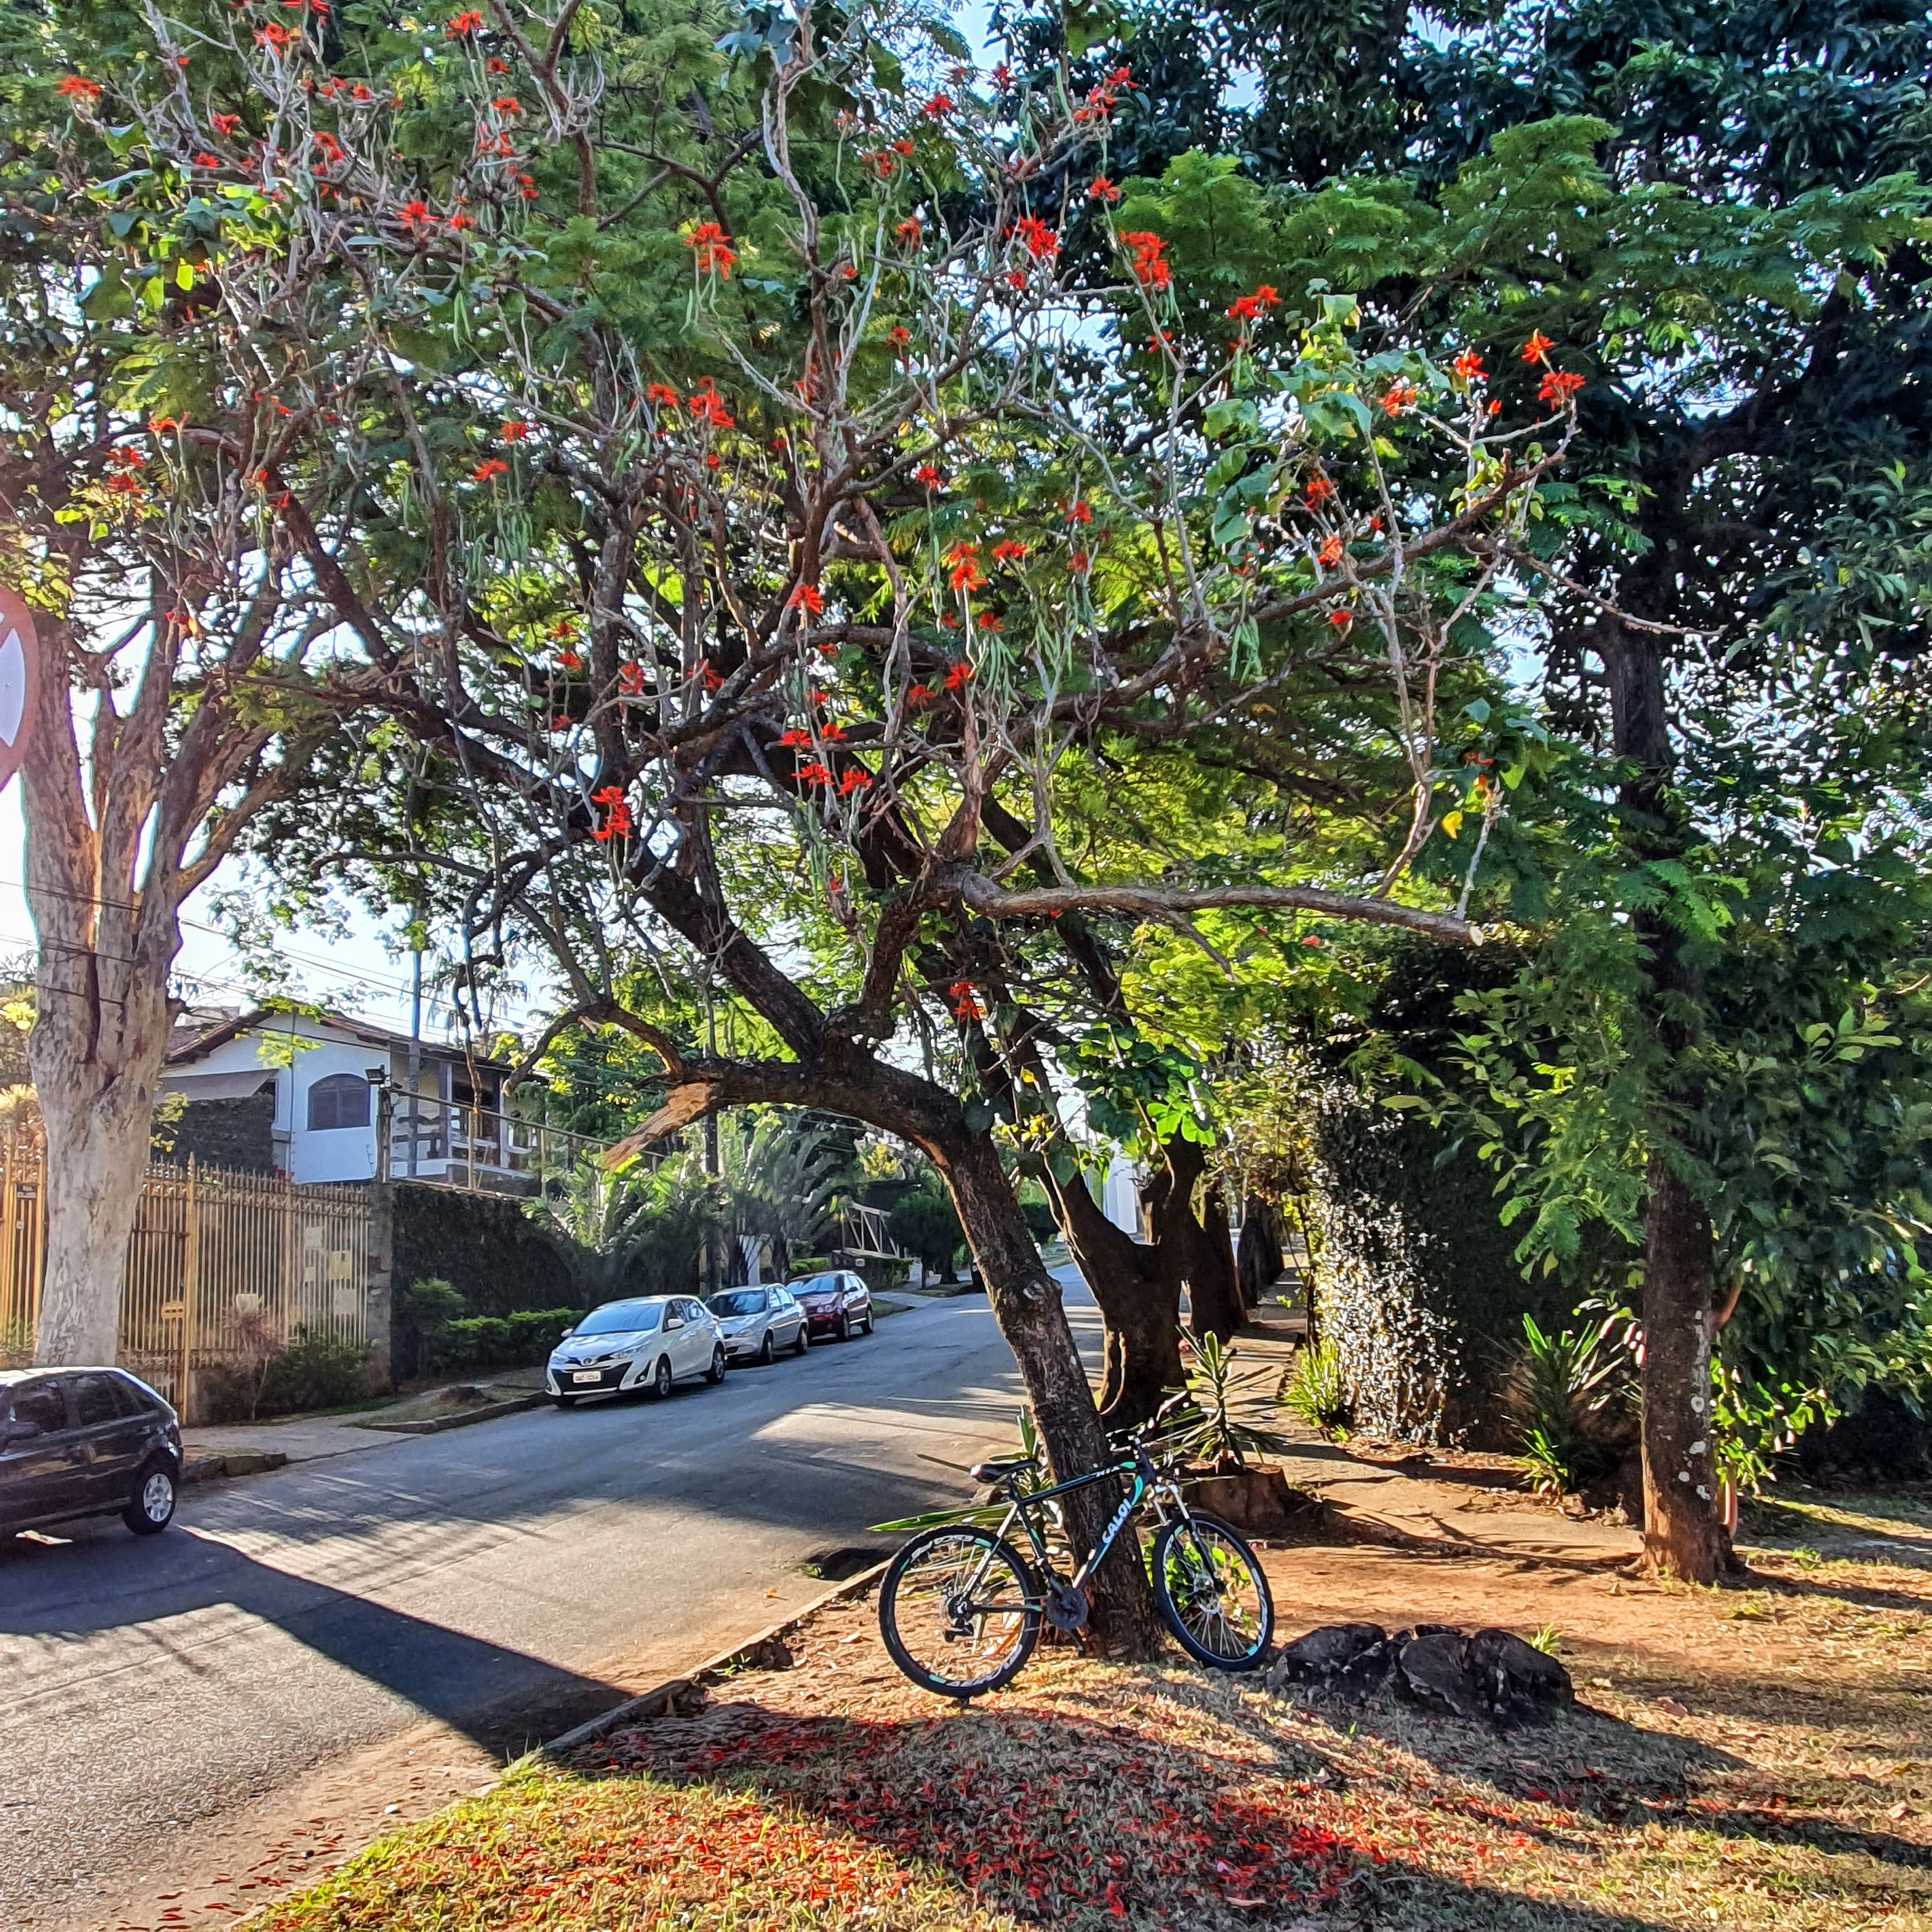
point(1207, 1264)
point(1026, 1303)
point(1258, 1260)
point(1213, 1281)
point(1684, 1533)
point(1137, 1289)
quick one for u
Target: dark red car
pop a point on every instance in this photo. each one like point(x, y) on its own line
point(838, 1304)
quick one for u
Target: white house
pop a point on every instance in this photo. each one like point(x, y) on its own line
point(303, 1094)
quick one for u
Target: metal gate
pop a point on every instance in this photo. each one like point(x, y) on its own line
point(221, 1267)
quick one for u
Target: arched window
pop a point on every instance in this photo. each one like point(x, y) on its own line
point(341, 1100)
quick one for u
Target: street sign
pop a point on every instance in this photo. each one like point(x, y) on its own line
point(20, 680)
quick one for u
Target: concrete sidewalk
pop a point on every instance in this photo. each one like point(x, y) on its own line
point(307, 1439)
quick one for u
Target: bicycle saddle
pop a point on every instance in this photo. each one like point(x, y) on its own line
point(994, 1471)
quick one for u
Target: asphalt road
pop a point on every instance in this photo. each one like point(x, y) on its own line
point(487, 1579)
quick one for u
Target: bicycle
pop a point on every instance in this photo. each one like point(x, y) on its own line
point(960, 1609)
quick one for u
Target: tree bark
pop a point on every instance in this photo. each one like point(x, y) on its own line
point(1684, 1533)
point(1137, 1289)
point(1026, 1303)
point(1259, 1260)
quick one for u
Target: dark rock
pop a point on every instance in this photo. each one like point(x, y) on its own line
point(1434, 1671)
point(1353, 1658)
point(1516, 1680)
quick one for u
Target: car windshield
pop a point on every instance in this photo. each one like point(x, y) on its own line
point(620, 1318)
point(743, 1301)
point(819, 1284)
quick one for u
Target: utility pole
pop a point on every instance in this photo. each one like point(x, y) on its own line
point(415, 1045)
point(712, 1257)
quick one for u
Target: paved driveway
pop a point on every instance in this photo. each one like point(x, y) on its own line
point(498, 1582)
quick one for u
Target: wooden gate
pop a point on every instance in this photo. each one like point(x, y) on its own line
point(222, 1268)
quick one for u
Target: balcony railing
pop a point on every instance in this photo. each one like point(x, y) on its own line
point(452, 1144)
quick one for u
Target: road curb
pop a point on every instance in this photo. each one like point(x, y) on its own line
point(230, 1463)
point(664, 1697)
point(436, 1425)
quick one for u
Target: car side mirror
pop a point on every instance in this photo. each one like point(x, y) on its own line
point(672, 1321)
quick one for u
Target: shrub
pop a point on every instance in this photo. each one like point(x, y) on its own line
point(315, 1371)
point(1317, 1391)
point(504, 1341)
point(1569, 1396)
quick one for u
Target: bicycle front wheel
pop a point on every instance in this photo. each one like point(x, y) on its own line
point(1212, 1593)
point(959, 1612)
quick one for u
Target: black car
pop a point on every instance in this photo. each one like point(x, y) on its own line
point(76, 1442)
point(837, 1304)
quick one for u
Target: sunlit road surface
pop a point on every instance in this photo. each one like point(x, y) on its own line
point(494, 1584)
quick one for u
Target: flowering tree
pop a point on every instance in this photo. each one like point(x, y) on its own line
point(172, 397)
point(777, 557)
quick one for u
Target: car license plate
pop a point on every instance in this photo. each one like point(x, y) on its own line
point(586, 1376)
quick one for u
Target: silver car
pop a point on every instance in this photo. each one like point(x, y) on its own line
point(756, 1322)
point(652, 1342)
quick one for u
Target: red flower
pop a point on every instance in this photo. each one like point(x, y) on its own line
point(711, 680)
point(919, 697)
point(814, 774)
point(940, 106)
point(965, 1006)
point(489, 469)
point(276, 36)
point(663, 394)
point(1319, 490)
point(909, 232)
point(963, 563)
point(959, 675)
point(1042, 244)
point(1401, 395)
point(1009, 552)
point(708, 407)
point(459, 26)
point(1340, 620)
point(515, 430)
point(987, 621)
point(507, 104)
point(901, 336)
point(616, 814)
point(568, 661)
point(1079, 513)
point(1330, 555)
point(1101, 189)
point(1558, 386)
point(929, 478)
point(712, 248)
point(795, 740)
point(1538, 345)
point(414, 216)
point(833, 734)
point(807, 597)
point(78, 87)
point(1078, 561)
point(1251, 308)
point(1468, 366)
point(631, 679)
point(854, 780)
point(1151, 269)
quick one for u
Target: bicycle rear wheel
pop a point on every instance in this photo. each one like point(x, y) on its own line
point(959, 1611)
point(1212, 1593)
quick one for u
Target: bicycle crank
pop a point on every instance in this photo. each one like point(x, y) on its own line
point(1065, 1606)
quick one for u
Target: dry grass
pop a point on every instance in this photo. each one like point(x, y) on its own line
point(1749, 1758)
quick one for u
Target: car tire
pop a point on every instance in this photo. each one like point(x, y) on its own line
point(662, 1381)
point(768, 1352)
point(804, 1341)
point(152, 1507)
point(565, 1401)
point(715, 1373)
point(844, 1330)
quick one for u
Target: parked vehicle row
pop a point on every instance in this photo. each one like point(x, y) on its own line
point(654, 1341)
point(82, 1442)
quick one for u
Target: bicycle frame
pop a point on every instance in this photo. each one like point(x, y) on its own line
point(1147, 1481)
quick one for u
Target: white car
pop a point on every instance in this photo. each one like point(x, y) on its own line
point(653, 1342)
point(757, 1322)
